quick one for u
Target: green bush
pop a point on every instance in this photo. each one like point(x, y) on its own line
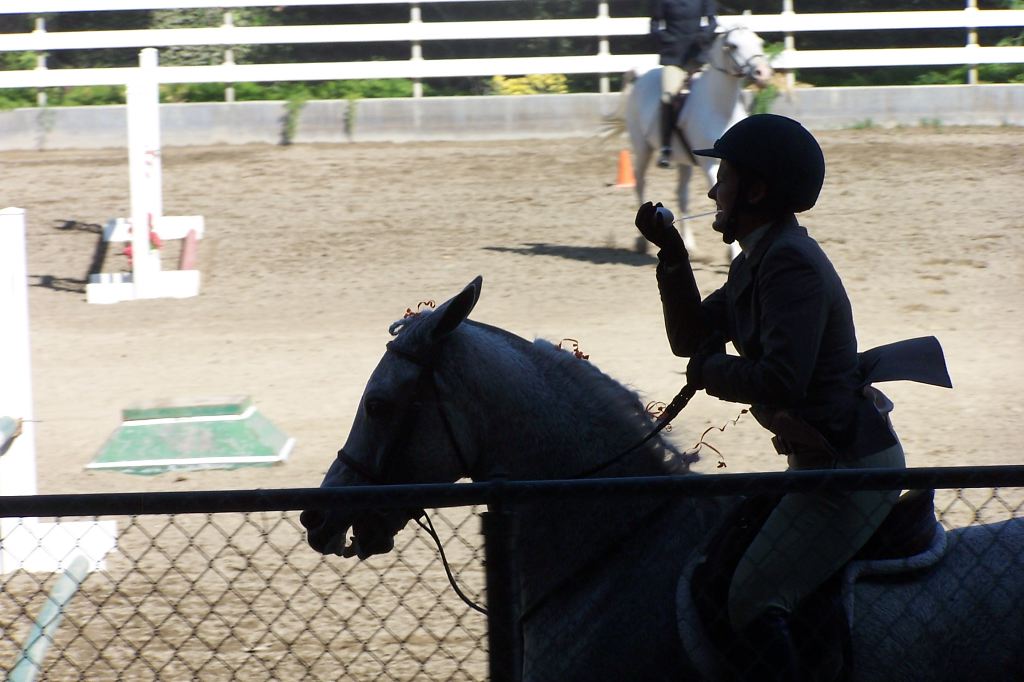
point(192, 92)
point(17, 97)
point(90, 95)
point(86, 95)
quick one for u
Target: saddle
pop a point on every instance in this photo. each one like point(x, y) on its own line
point(821, 625)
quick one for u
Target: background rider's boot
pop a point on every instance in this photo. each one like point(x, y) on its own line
point(665, 155)
point(773, 654)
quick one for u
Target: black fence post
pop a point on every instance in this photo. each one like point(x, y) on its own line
point(502, 630)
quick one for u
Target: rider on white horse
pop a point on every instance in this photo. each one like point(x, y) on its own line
point(681, 41)
point(786, 312)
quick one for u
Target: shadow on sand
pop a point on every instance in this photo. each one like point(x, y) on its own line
point(602, 255)
point(598, 255)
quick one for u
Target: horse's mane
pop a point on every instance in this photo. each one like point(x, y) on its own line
point(607, 390)
point(584, 375)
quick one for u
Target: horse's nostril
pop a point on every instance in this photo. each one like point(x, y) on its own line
point(311, 518)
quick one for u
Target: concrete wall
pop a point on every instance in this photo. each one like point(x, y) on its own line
point(830, 108)
point(480, 118)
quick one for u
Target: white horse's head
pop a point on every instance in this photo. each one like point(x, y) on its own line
point(739, 52)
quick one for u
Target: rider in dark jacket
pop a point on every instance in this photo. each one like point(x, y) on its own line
point(786, 311)
point(680, 38)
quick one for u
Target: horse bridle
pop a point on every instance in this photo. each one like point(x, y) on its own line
point(743, 70)
point(427, 380)
point(424, 381)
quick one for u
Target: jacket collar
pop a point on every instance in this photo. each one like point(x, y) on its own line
point(742, 268)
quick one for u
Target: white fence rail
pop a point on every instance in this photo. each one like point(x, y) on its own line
point(227, 34)
point(40, 6)
point(416, 32)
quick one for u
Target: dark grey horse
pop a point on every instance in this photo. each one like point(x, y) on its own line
point(601, 580)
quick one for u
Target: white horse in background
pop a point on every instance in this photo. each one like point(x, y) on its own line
point(715, 103)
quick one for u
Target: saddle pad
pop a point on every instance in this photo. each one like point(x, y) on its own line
point(861, 569)
point(694, 637)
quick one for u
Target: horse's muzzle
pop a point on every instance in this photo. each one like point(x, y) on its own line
point(761, 75)
point(318, 535)
point(372, 533)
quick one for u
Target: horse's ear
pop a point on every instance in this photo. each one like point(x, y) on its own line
point(452, 312)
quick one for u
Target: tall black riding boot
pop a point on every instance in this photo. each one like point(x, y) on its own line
point(773, 654)
point(667, 124)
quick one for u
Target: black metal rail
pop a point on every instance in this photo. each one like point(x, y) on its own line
point(438, 495)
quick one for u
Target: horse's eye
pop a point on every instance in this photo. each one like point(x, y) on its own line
point(377, 408)
point(729, 46)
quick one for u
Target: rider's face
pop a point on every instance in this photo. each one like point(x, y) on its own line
point(724, 193)
point(740, 202)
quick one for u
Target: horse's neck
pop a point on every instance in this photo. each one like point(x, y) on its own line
point(714, 104)
point(560, 542)
point(537, 415)
point(558, 539)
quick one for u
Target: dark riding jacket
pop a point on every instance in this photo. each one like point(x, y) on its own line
point(786, 311)
point(676, 27)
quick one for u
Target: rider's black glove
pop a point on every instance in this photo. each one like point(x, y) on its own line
point(713, 345)
point(655, 230)
point(695, 371)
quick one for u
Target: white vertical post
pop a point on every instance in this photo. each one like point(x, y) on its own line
point(602, 45)
point(18, 464)
point(27, 544)
point(972, 41)
point(144, 168)
point(789, 44)
point(145, 177)
point(416, 17)
point(229, 59)
point(40, 62)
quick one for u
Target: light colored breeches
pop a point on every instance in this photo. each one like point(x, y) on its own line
point(805, 540)
point(672, 80)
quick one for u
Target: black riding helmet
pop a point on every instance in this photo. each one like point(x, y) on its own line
point(781, 151)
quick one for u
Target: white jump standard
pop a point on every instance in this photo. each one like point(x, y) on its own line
point(29, 544)
point(147, 279)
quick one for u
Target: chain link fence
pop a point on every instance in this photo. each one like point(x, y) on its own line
point(241, 596)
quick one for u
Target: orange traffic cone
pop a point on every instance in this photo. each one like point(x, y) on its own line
point(626, 177)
